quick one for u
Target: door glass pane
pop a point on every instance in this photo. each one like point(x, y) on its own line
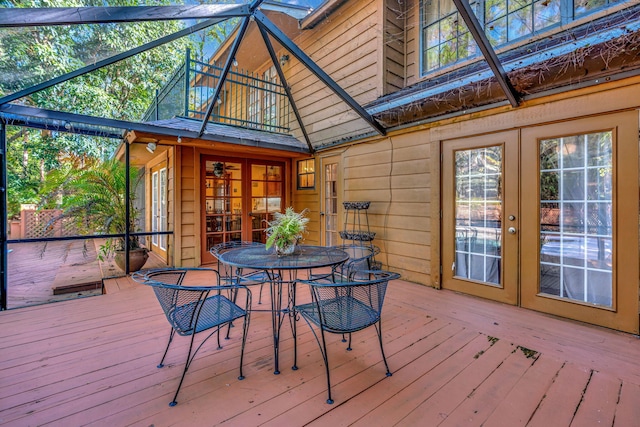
point(576, 211)
point(223, 202)
point(267, 197)
point(478, 210)
point(331, 204)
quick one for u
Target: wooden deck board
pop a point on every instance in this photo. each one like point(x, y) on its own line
point(456, 360)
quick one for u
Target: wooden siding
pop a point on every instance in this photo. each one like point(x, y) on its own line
point(394, 45)
point(412, 71)
point(346, 46)
point(189, 250)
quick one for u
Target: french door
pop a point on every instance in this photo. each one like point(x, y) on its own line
point(547, 218)
point(330, 211)
point(239, 196)
point(580, 231)
point(480, 216)
point(159, 220)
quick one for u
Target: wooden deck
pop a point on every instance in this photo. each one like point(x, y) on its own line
point(456, 361)
point(41, 273)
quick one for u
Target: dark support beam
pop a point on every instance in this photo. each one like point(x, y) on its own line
point(111, 60)
point(127, 200)
point(287, 89)
point(223, 74)
point(288, 44)
point(35, 17)
point(487, 50)
point(3, 227)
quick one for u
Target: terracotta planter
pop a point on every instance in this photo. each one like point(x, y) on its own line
point(137, 258)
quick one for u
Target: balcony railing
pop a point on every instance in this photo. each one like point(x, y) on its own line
point(246, 99)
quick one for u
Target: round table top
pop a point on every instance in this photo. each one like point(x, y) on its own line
point(257, 257)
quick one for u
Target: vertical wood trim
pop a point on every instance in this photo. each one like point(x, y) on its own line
point(177, 213)
point(382, 54)
point(436, 208)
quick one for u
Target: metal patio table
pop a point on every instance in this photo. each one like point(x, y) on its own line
point(284, 270)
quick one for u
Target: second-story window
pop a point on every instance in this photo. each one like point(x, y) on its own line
point(446, 40)
point(255, 107)
point(270, 99)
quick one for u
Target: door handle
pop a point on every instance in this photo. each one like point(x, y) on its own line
point(512, 230)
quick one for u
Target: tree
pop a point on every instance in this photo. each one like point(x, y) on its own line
point(121, 91)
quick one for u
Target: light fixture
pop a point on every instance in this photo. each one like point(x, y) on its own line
point(219, 101)
point(179, 139)
point(284, 59)
point(151, 147)
point(235, 62)
point(218, 169)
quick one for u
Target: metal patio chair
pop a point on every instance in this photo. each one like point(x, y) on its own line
point(344, 308)
point(361, 260)
point(241, 277)
point(194, 309)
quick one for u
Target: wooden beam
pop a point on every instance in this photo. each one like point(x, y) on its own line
point(487, 51)
point(34, 17)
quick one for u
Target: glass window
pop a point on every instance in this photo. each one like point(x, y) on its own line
point(576, 211)
point(306, 174)
point(270, 99)
point(446, 40)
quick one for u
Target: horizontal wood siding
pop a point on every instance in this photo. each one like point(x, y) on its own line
point(394, 45)
point(413, 42)
point(346, 46)
point(188, 255)
point(394, 174)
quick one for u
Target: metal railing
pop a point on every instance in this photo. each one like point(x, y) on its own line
point(246, 99)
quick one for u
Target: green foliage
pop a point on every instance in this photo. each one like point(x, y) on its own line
point(32, 55)
point(286, 228)
point(94, 198)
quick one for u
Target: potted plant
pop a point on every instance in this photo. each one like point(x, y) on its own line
point(285, 230)
point(94, 197)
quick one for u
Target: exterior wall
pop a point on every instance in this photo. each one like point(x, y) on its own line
point(188, 250)
point(394, 45)
point(400, 174)
point(347, 46)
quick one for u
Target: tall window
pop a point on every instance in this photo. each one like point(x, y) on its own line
point(159, 207)
point(255, 111)
point(263, 101)
point(446, 40)
point(270, 99)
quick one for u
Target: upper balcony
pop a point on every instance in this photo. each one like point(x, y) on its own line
point(246, 99)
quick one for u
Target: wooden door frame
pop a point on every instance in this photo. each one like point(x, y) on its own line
point(339, 191)
point(508, 291)
point(623, 315)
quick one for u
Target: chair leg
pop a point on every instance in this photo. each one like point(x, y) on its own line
point(384, 358)
point(174, 402)
point(173, 332)
point(325, 357)
point(245, 330)
point(349, 345)
point(260, 296)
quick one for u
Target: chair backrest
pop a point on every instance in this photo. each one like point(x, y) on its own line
point(360, 260)
point(180, 304)
point(351, 305)
point(225, 270)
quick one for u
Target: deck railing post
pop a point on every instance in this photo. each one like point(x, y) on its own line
point(186, 82)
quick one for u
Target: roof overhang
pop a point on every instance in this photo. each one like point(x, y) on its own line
point(185, 129)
